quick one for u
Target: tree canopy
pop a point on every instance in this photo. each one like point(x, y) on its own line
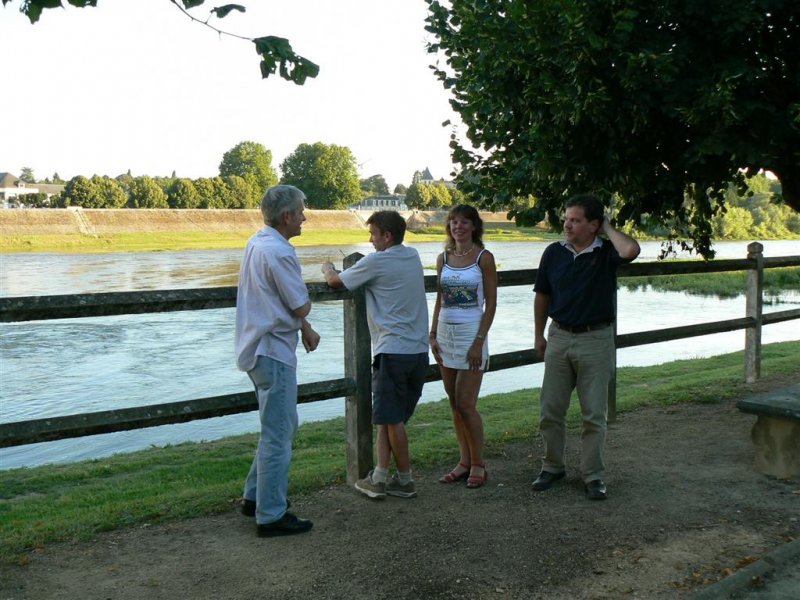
point(146, 193)
point(98, 192)
point(374, 186)
point(252, 162)
point(79, 191)
point(27, 175)
point(182, 194)
point(276, 53)
point(431, 195)
point(327, 175)
point(109, 192)
point(658, 106)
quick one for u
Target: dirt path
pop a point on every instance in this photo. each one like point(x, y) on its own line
point(685, 508)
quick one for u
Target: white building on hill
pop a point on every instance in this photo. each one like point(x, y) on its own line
point(12, 188)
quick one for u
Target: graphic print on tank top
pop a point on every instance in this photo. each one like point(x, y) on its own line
point(457, 293)
point(460, 286)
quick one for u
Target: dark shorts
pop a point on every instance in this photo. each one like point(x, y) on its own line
point(397, 381)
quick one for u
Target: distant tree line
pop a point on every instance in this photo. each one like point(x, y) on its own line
point(327, 173)
point(328, 176)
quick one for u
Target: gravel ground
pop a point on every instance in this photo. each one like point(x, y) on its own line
point(685, 509)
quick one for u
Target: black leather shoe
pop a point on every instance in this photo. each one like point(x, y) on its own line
point(288, 524)
point(545, 480)
point(249, 507)
point(596, 490)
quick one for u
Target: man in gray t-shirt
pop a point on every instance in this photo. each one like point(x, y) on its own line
point(397, 314)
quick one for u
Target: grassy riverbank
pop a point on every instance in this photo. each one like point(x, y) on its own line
point(729, 284)
point(197, 240)
point(75, 501)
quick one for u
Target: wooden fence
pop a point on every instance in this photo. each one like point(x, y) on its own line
point(355, 385)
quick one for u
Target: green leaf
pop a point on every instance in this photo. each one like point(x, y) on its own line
point(191, 3)
point(33, 8)
point(223, 11)
point(273, 46)
point(277, 55)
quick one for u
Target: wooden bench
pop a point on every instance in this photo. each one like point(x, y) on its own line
point(776, 433)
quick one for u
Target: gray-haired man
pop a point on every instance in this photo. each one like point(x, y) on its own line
point(271, 307)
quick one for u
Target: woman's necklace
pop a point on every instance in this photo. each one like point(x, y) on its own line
point(471, 248)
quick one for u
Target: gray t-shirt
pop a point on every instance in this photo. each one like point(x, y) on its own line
point(397, 309)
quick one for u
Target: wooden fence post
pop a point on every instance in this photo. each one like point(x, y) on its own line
point(357, 364)
point(754, 309)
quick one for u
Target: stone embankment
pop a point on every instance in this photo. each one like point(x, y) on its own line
point(89, 221)
point(110, 221)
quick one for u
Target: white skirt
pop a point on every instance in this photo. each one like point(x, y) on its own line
point(455, 340)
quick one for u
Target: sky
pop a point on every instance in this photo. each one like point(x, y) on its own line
point(136, 85)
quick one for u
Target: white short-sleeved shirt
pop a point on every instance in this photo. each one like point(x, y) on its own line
point(270, 288)
point(397, 311)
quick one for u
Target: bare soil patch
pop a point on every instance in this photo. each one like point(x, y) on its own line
point(685, 508)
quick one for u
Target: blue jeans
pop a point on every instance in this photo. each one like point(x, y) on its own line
point(268, 480)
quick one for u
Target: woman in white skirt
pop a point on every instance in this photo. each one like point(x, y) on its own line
point(466, 300)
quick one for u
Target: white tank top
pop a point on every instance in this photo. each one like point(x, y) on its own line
point(462, 292)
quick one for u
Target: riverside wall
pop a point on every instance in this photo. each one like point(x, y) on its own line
point(88, 221)
point(91, 221)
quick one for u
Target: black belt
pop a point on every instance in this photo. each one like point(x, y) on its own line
point(582, 328)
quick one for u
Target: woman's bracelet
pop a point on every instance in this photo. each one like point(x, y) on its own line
point(478, 336)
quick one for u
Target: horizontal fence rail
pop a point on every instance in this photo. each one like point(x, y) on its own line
point(73, 306)
point(124, 419)
point(34, 308)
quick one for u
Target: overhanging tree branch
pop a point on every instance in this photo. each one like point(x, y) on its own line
point(277, 55)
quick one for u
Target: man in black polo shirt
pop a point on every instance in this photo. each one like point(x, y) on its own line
point(575, 287)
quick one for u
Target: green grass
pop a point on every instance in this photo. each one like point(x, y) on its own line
point(75, 501)
point(163, 240)
point(726, 285)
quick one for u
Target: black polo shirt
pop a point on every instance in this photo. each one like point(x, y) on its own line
point(581, 288)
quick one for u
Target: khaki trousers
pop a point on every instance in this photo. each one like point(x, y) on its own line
point(582, 361)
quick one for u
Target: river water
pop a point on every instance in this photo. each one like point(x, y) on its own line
point(71, 366)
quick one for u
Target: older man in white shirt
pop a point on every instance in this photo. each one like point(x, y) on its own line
point(271, 307)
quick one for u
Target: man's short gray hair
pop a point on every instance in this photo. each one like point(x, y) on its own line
point(278, 200)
